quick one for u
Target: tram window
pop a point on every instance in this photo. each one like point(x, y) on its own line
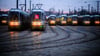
point(36, 15)
point(52, 18)
point(22, 17)
point(63, 18)
point(69, 19)
point(74, 18)
point(97, 19)
point(42, 16)
point(13, 16)
point(86, 18)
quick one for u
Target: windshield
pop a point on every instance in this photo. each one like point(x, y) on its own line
point(13, 16)
point(36, 15)
point(86, 18)
point(74, 18)
point(97, 18)
point(52, 18)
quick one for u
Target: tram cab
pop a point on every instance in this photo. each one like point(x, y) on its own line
point(52, 19)
point(37, 19)
point(17, 19)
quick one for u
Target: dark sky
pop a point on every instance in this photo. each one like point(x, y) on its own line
point(57, 4)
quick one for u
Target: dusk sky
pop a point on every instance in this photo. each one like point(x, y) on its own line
point(47, 4)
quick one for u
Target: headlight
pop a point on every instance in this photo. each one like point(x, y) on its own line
point(97, 22)
point(4, 21)
point(74, 22)
point(14, 23)
point(87, 22)
point(63, 22)
point(52, 22)
point(36, 23)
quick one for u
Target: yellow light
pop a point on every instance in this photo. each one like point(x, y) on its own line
point(11, 23)
point(14, 23)
point(87, 22)
point(74, 22)
point(52, 22)
point(97, 22)
point(63, 22)
point(62, 18)
point(4, 21)
point(36, 23)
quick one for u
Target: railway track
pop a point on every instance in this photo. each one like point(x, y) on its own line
point(51, 42)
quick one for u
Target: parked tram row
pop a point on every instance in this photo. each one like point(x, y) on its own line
point(82, 20)
point(37, 20)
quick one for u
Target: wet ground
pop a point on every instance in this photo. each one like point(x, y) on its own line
point(54, 41)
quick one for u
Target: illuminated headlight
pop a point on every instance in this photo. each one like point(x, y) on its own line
point(97, 22)
point(36, 23)
point(52, 22)
point(74, 22)
point(14, 23)
point(4, 21)
point(87, 22)
point(63, 22)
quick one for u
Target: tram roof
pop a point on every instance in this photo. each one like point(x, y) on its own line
point(97, 15)
point(74, 15)
point(17, 10)
point(63, 15)
point(4, 15)
point(38, 10)
point(14, 9)
point(86, 15)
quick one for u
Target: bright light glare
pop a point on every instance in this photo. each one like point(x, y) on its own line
point(14, 23)
point(4, 21)
point(36, 23)
point(63, 22)
point(97, 22)
point(52, 22)
point(74, 22)
point(87, 22)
